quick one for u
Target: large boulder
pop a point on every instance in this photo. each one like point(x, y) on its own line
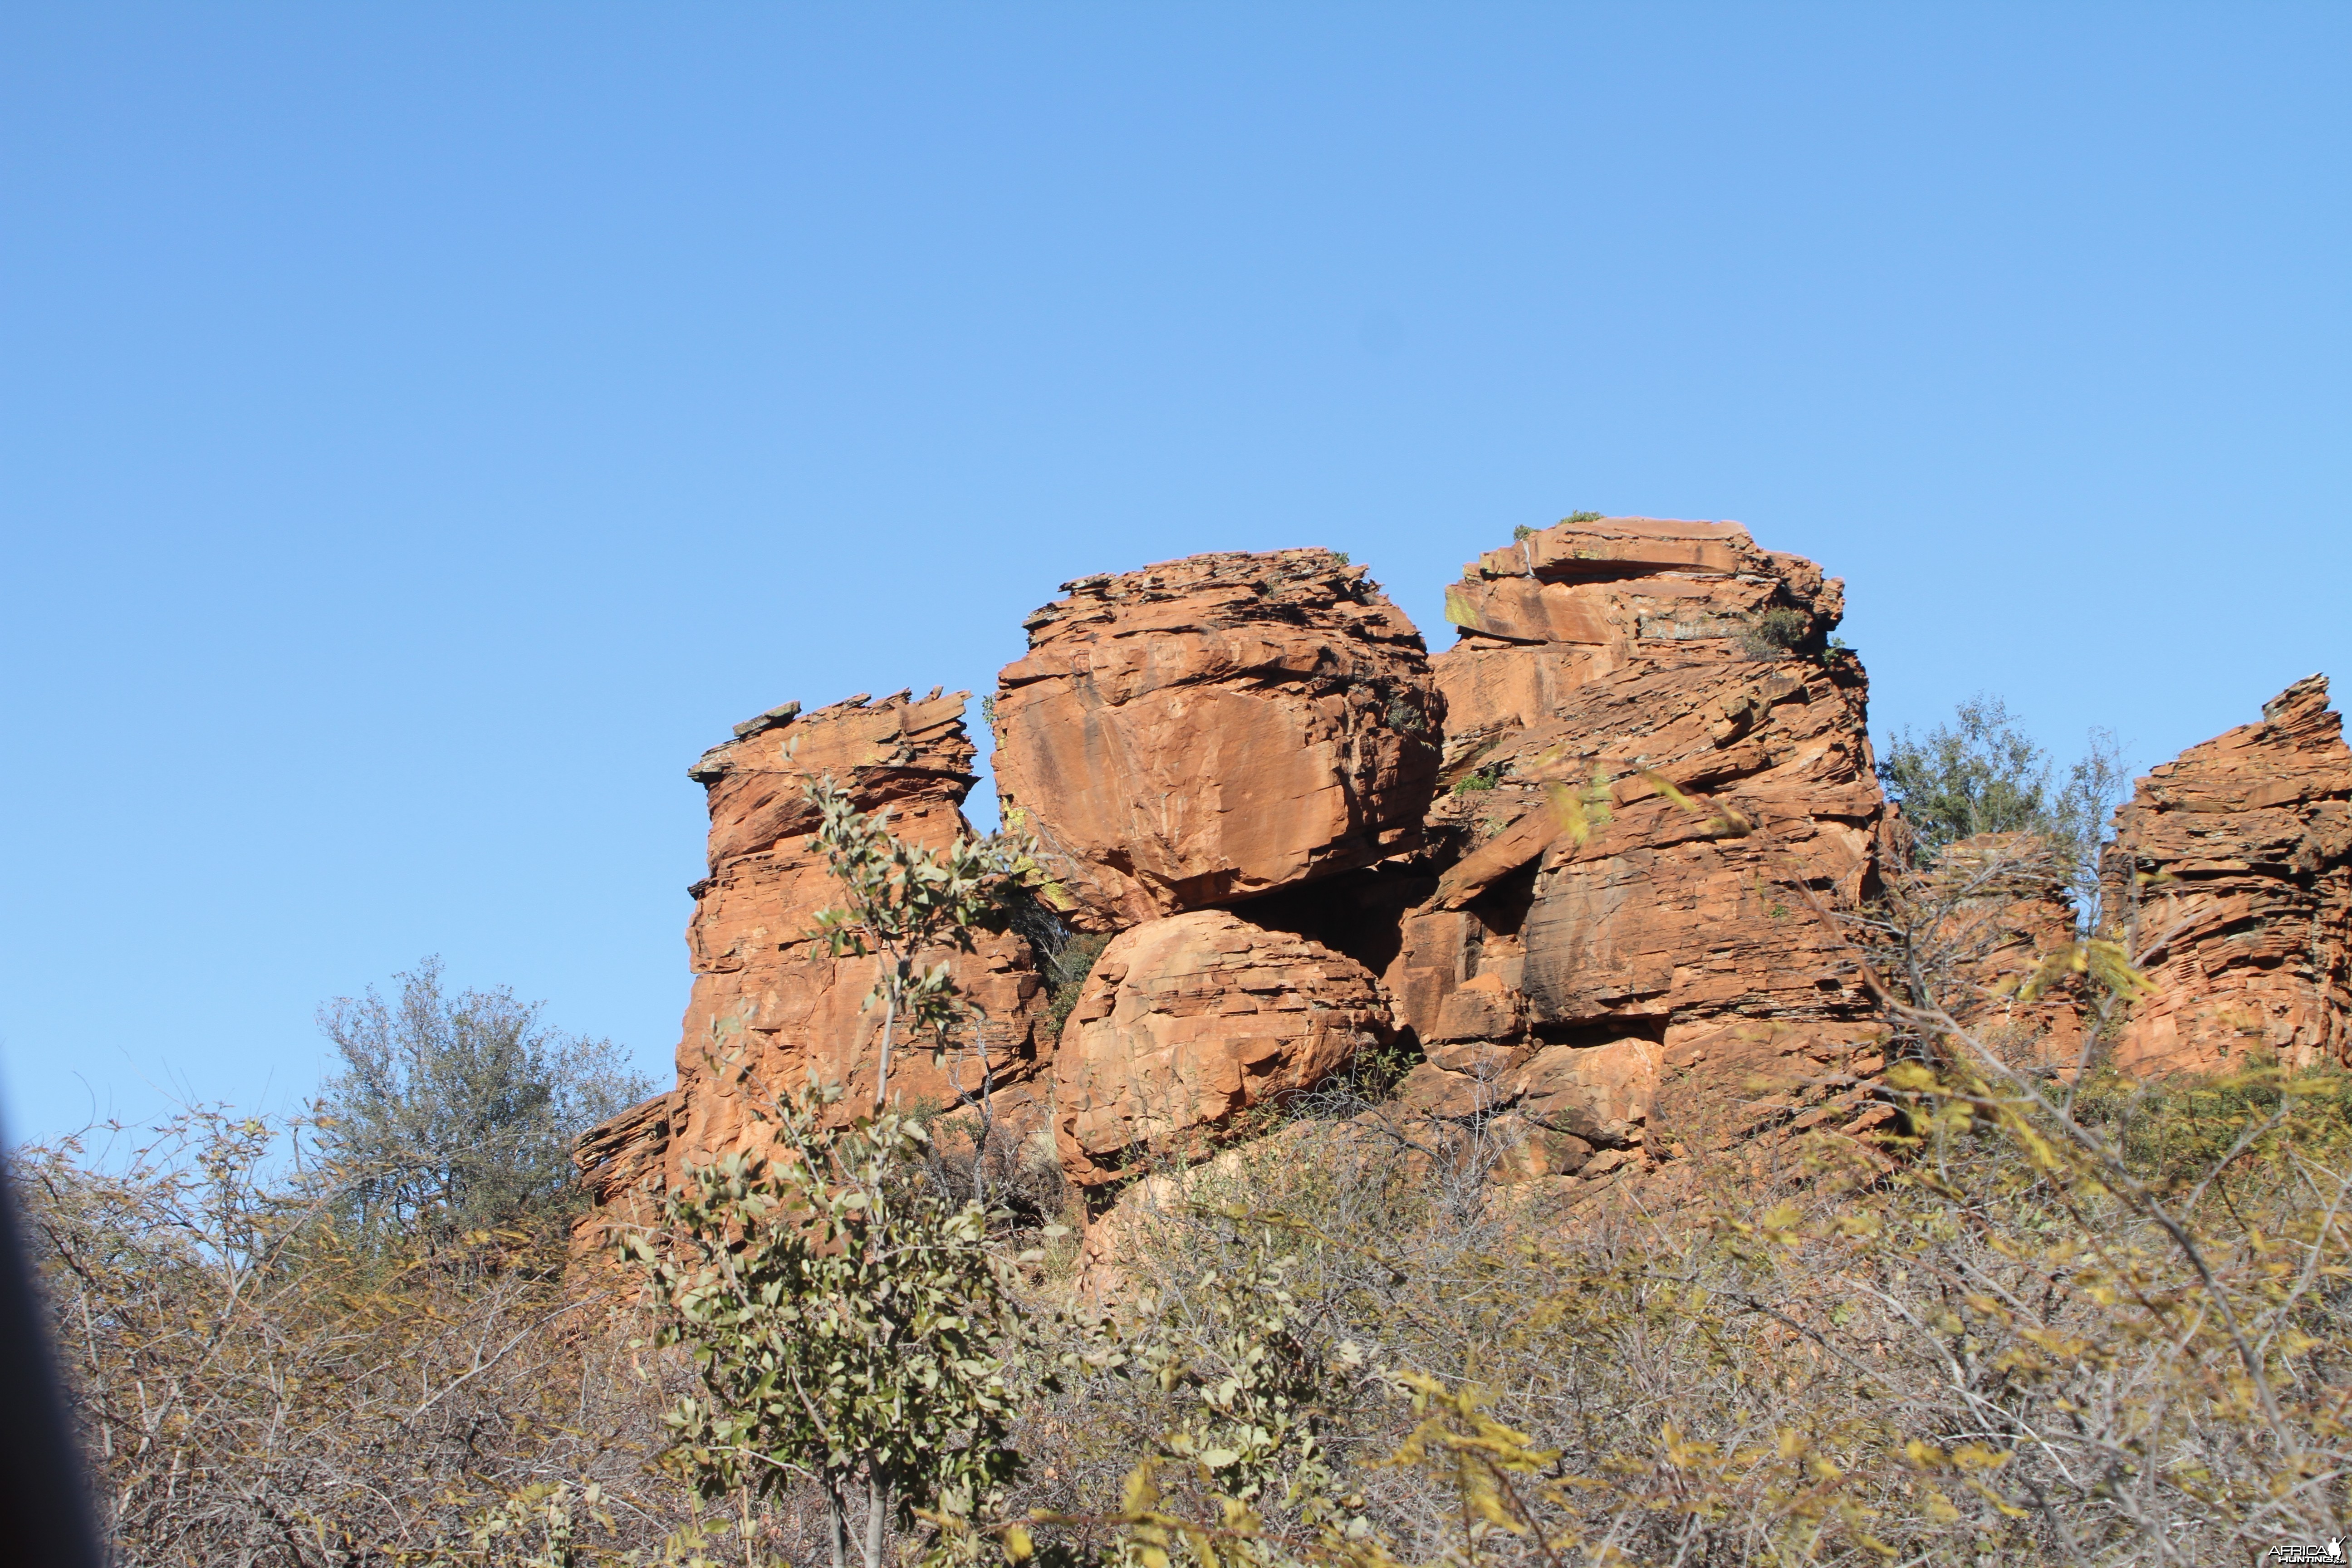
point(1188, 1022)
point(1198, 732)
point(2231, 877)
point(769, 1005)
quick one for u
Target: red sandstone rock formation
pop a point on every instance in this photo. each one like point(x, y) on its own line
point(2232, 872)
point(1188, 1022)
point(1205, 730)
point(1571, 602)
point(623, 1163)
point(1611, 937)
point(768, 999)
point(1660, 783)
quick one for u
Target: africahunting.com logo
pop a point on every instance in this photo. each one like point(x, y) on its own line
point(2331, 1553)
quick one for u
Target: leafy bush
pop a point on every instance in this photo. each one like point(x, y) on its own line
point(848, 1323)
point(1480, 780)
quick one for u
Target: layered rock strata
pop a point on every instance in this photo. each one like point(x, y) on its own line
point(769, 1005)
point(1207, 730)
point(1569, 604)
point(1189, 1023)
point(2231, 876)
point(1661, 790)
point(1610, 939)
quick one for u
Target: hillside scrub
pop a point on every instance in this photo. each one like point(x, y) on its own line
point(2043, 1314)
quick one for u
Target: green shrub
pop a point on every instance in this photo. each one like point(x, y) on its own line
point(1776, 632)
point(848, 1323)
point(1481, 780)
point(1065, 972)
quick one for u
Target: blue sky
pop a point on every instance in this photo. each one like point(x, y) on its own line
point(425, 428)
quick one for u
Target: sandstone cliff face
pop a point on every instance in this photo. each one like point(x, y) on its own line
point(1188, 1022)
point(1648, 787)
point(2232, 871)
point(770, 1001)
point(1210, 729)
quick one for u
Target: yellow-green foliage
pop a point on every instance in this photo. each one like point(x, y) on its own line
point(2008, 1344)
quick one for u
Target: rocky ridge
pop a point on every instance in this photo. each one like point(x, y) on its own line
point(1580, 876)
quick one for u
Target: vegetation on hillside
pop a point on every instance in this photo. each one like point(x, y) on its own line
point(2043, 1314)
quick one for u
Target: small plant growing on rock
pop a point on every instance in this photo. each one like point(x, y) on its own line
point(902, 903)
point(1581, 517)
point(1405, 718)
point(1479, 782)
point(1774, 633)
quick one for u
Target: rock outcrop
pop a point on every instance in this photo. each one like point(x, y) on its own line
point(1611, 940)
point(769, 1003)
point(1188, 1023)
point(1207, 730)
point(1660, 787)
point(623, 1164)
point(1999, 911)
point(2231, 875)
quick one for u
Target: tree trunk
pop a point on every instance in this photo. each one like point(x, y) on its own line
point(882, 1067)
point(836, 1517)
point(877, 1513)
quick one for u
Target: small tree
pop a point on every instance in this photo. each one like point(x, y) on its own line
point(1978, 774)
point(902, 901)
point(459, 1110)
point(850, 1325)
point(1982, 773)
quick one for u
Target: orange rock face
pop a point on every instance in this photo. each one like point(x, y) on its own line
point(1574, 602)
point(1203, 730)
point(2232, 873)
point(1654, 802)
point(770, 1000)
point(1189, 1021)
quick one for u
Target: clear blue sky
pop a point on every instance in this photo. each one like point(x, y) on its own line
point(427, 428)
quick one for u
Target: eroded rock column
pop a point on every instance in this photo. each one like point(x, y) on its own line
point(2230, 877)
point(769, 1004)
point(1660, 788)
